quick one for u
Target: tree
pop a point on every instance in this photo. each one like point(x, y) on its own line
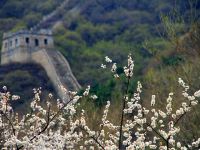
point(64, 126)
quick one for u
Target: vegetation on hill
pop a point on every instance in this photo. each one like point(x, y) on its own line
point(112, 28)
point(116, 28)
point(18, 14)
point(163, 37)
point(21, 79)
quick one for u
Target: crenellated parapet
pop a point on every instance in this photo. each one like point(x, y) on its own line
point(23, 43)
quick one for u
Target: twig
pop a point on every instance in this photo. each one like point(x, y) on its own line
point(177, 121)
point(49, 120)
point(122, 115)
point(94, 138)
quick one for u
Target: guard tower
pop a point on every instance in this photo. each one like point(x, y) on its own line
point(18, 46)
point(38, 46)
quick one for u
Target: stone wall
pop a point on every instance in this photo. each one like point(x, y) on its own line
point(16, 55)
point(29, 46)
point(41, 57)
point(54, 63)
point(19, 46)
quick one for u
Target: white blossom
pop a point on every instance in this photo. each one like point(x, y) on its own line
point(153, 100)
point(107, 59)
point(197, 93)
point(103, 66)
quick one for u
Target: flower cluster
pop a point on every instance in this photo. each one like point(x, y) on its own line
point(59, 126)
point(128, 70)
point(113, 66)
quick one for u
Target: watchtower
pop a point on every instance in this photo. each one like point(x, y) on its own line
point(38, 47)
point(18, 46)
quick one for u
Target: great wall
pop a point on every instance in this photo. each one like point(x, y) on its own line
point(37, 46)
point(51, 19)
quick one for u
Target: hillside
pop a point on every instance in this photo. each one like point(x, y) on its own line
point(162, 36)
point(21, 79)
point(87, 31)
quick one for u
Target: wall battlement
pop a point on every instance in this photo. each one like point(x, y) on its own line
point(25, 41)
point(38, 46)
point(28, 32)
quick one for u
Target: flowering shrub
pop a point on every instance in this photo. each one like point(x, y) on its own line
point(61, 127)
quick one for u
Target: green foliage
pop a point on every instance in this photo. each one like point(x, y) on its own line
point(103, 92)
point(47, 6)
point(13, 8)
point(18, 14)
point(173, 60)
point(113, 28)
point(32, 18)
point(19, 26)
point(155, 45)
point(7, 24)
point(21, 8)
